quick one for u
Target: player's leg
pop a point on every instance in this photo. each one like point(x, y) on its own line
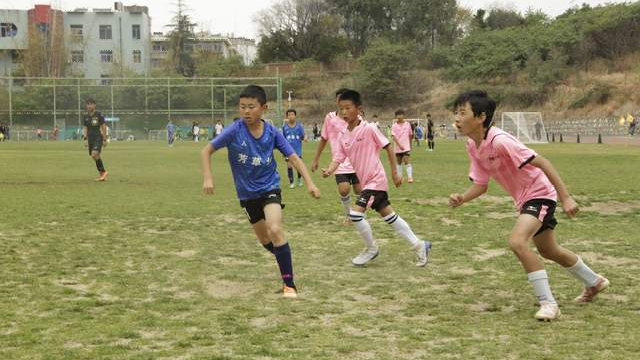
point(95, 148)
point(399, 158)
point(407, 164)
point(526, 226)
point(290, 173)
point(359, 221)
point(281, 249)
point(299, 175)
point(549, 249)
point(400, 226)
point(344, 188)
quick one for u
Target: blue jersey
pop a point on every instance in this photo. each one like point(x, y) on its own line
point(171, 128)
point(294, 136)
point(252, 164)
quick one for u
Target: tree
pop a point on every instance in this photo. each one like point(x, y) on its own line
point(503, 18)
point(299, 29)
point(181, 42)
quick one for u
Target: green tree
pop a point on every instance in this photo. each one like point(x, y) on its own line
point(181, 42)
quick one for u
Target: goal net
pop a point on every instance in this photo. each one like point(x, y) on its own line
point(527, 127)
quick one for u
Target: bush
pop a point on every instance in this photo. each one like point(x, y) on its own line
point(599, 94)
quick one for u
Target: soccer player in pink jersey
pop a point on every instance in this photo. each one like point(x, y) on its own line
point(402, 134)
point(534, 185)
point(361, 142)
point(346, 177)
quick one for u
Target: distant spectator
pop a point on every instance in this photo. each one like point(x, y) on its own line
point(195, 131)
point(171, 133)
point(54, 133)
point(538, 127)
point(39, 133)
point(632, 126)
point(316, 131)
point(219, 128)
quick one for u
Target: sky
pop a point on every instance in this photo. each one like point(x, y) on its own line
point(236, 16)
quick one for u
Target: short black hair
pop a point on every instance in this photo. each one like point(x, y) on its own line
point(399, 112)
point(90, 101)
point(375, 115)
point(341, 91)
point(480, 102)
point(352, 95)
point(254, 92)
point(290, 110)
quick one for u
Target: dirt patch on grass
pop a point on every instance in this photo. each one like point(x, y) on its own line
point(487, 254)
point(450, 222)
point(224, 289)
point(499, 215)
point(433, 201)
point(613, 261)
point(613, 207)
point(186, 253)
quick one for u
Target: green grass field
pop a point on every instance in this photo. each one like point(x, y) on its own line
point(146, 267)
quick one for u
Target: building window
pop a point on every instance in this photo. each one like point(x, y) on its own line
point(137, 56)
point(105, 80)
point(159, 47)
point(106, 56)
point(8, 30)
point(15, 56)
point(105, 32)
point(77, 56)
point(135, 32)
point(76, 30)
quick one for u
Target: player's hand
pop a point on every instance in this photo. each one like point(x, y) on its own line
point(314, 191)
point(325, 173)
point(105, 143)
point(85, 143)
point(397, 179)
point(456, 200)
point(207, 187)
point(314, 165)
point(570, 207)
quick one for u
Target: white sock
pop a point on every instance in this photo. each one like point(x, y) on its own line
point(362, 225)
point(346, 203)
point(583, 273)
point(541, 288)
point(409, 171)
point(402, 228)
point(399, 168)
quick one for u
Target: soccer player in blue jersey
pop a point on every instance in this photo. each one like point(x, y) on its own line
point(171, 133)
point(294, 133)
point(250, 142)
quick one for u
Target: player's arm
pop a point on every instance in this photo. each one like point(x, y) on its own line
point(397, 180)
point(85, 131)
point(103, 133)
point(569, 206)
point(472, 192)
point(395, 141)
point(314, 164)
point(297, 163)
point(205, 161)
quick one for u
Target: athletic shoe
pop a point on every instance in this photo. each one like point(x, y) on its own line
point(548, 311)
point(300, 182)
point(292, 185)
point(365, 256)
point(289, 292)
point(410, 180)
point(589, 293)
point(103, 176)
point(422, 251)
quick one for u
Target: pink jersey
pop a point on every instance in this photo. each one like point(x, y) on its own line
point(362, 145)
point(402, 133)
point(504, 158)
point(332, 126)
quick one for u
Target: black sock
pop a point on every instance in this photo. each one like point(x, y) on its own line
point(290, 175)
point(283, 257)
point(299, 176)
point(100, 165)
point(269, 247)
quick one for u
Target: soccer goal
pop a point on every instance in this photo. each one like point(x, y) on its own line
point(527, 127)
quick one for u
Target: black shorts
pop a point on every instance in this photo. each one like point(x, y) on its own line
point(429, 136)
point(254, 208)
point(348, 178)
point(543, 210)
point(377, 199)
point(402, 154)
point(95, 145)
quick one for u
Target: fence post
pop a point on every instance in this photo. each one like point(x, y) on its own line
point(599, 139)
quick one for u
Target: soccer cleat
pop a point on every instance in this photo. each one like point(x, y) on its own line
point(292, 185)
point(299, 182)
point(548, 311)
point(410, 180)
point(589, 293)
point(365, 256)
point(289, 292)
point(422, 251)
point(103, 176)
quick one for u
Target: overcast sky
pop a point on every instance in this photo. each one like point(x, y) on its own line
point(236, 16)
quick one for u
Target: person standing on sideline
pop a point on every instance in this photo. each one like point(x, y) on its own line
point(293, 131)
point(419, 133)
point(250, 142)
point(171, 133)
point(55, 132)
point(402, 134)
point(196, 132)
point(534, 185)
point(94, 134)
point(218, 129)
point(346, 178)
point(431, 145)
point(361, 142)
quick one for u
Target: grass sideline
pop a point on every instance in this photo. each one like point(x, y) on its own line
point(146, 267)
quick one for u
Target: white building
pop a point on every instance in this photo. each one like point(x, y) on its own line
point(108, 42)
point(14, 30)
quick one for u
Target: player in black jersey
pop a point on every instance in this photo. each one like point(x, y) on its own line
point(95, 135)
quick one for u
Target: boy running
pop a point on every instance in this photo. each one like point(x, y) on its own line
point(402, 134)
point(250, 142)
point(294, 133)
point(534, 185)
point(94, 134)
point(361, 142)
point(345, 174)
